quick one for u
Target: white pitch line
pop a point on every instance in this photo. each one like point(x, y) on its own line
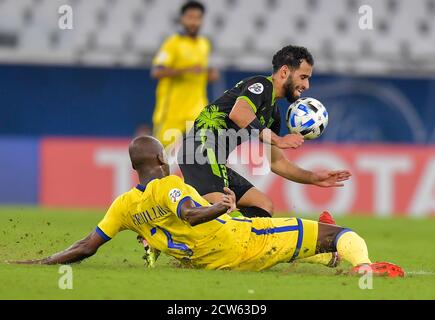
point(420, 273)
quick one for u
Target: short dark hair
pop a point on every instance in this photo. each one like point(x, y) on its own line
point(291, 56)
point(192, 5)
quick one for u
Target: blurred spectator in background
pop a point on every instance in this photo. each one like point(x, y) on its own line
point(181, 66)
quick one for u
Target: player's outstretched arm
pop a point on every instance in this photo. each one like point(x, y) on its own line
point(280, 165)
point(330, 178)
point(291, 140)
point(159, 72)
point(78, 251)
point(197, 215)
point(243, 115)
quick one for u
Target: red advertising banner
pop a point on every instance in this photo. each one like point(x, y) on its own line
point(386, 179)
point(78, 172)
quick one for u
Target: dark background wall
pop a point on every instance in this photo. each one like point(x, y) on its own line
point(53, 100)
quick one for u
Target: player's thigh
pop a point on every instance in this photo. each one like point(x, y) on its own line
point(204, 178)
point(275, 240)
point(255, 198)
point(288, 238)
point(244, 190)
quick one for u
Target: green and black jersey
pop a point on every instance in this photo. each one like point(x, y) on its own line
point(213, 129)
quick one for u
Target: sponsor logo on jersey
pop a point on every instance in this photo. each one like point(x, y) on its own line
point(175, 195)
point(262, 121)
point(256, 88)
point(162, 56)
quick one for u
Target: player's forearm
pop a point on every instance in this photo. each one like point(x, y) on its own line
point(269, 137)
point(200, 215)
point(291, 171)
point(68, 256)
point(164, 72)
point(64, 257)
point(77, 252)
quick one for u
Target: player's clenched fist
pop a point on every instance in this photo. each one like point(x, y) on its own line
point(229, 199)
point(292, 140)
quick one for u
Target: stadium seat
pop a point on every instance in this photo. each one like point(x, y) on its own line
point(253, 29)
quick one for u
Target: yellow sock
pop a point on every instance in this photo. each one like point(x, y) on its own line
point(351, 247)
point(321, 258)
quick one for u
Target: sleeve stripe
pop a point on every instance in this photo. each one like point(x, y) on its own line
point(102, 234)
point(249, 101)
point(180, 203)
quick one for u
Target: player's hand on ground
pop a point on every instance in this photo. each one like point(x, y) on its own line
point(23, 261)
point(292, 140)
point(229, 199)
point(330, 178)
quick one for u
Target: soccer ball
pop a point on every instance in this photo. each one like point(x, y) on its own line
point(308, 117)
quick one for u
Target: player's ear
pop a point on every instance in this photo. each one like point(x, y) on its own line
point(164, 165)
point(162, 159)
point(284, 71)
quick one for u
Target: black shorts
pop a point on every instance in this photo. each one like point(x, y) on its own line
point(206, 178)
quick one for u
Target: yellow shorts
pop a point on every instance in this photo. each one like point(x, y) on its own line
point(275, 240)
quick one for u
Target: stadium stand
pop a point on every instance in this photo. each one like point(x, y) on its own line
point(244, 33)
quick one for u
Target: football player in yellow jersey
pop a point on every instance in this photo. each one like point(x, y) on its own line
point(176, 220)
point(181, 66)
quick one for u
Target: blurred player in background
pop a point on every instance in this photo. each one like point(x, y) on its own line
point(176, 220)
point(181, 66)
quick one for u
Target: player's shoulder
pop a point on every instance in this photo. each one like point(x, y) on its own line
point(122, 201)
point(168, 182)
point(129, 196)
point(263, 80)
point(172, 39)
point(171, 178)
point(259, 78)
point(259, 84)
point(205, 39)
point(171, 187)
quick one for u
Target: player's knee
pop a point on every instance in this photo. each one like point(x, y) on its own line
point(267, 205)
point(327, 235)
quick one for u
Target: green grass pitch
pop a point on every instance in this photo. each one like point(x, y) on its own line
point(117, 272)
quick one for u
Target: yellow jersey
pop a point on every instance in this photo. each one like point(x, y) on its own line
point(181, 98)
point(223, 243)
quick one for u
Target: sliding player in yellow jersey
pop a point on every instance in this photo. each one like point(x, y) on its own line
point(176, 220)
